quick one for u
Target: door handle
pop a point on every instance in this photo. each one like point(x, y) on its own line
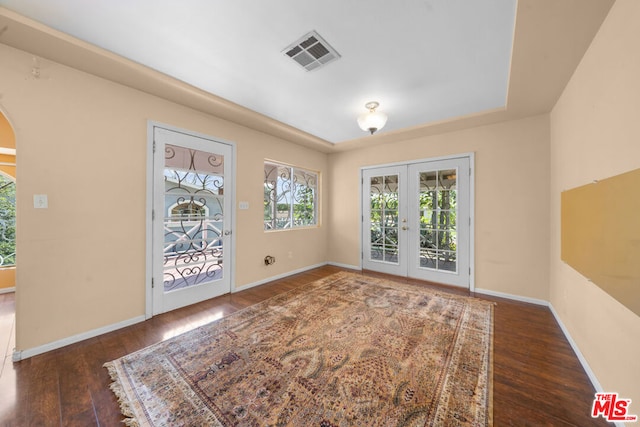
point(227, 232)
point(404, 227)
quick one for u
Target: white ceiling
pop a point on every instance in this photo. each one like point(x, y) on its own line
point(423, 60)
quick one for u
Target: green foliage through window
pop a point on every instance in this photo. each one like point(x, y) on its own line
point(7, 221)
point(290, 197)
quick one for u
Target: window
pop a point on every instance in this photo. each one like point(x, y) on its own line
point(290, 197)
point(185, 211)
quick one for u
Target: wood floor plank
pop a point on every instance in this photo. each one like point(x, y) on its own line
point(102, 399)
point(74, 377)
point(8, 396)
point(43, 391)
point(7, 325)
point(538, 380)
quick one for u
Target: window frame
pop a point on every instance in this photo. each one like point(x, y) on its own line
point(273, 198)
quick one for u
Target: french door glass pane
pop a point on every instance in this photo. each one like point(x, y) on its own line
point(193, 217)
point(438, 211)
point(383, 197)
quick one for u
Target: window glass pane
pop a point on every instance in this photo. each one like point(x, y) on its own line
point(290, 197)
point(284, 187)
point(383, 196)
point(447, 179)
point(447, 199)
point(377, 199)
point(447, 261)
point(376, 218)
point(438, 219)
point(193, 217)
point(304, 197)
point(428, 239)
point(428, 181)
point(428, 258)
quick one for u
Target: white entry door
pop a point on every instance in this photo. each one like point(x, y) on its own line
point(192, 211)
point(417, 220)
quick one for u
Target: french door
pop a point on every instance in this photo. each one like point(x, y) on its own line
point(192, 211)
point(416, 220)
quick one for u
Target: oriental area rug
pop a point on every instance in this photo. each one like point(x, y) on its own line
point(346, 350)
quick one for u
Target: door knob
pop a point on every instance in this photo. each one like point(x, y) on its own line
point(227, 232)
point(404, 227)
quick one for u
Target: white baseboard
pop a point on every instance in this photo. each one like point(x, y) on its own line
point(574, 346)
point(530, 300)
point(565, 331)
point(277, 277)
point(581, 358)
point(7, 290)
point(348, 266)
point(19, 355)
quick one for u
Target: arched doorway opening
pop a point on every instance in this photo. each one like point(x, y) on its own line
point(7, 206)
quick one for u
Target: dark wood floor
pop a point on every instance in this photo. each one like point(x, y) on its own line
point(538, 380)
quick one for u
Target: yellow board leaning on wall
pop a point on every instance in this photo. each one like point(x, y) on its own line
point(601, 235)
point(7, 278)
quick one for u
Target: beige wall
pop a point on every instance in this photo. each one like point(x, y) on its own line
point(511, 198)
point(82, 141)
point(595, 134)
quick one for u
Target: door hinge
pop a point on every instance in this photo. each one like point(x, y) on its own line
point(152, 284)
point(153, 214)
point(469, 171)
point(154, 146)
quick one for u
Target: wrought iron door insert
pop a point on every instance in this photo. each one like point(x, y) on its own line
point(193, 217)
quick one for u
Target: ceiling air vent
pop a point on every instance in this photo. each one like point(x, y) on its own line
point(311, 51)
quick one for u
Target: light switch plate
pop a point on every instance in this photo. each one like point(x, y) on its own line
point(40, 201)
point(243, 205)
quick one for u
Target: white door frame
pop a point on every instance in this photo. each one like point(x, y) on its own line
point(230, 191)
point(471, 157)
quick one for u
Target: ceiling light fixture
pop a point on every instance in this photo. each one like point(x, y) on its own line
point(373, 120)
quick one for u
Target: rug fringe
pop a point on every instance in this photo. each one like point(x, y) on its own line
point(121, 395)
